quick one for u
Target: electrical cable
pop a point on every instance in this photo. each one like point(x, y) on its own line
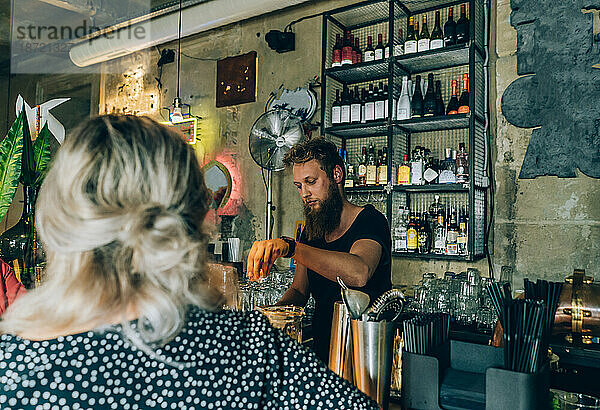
point(289, 26)
point(179, 48)
point(200, 58)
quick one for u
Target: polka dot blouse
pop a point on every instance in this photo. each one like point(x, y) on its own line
point(220, 360)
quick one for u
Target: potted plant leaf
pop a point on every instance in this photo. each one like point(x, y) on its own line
point(24, 161)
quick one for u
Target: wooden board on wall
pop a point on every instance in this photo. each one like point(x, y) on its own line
point(236, 80)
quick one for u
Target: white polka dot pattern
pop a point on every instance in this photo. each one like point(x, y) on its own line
point(232, 361)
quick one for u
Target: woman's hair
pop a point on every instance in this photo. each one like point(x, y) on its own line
point(120, 215)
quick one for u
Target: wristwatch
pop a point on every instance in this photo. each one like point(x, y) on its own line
point(291, 246)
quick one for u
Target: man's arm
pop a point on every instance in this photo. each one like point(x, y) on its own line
point(355, 267)
point(297, 293)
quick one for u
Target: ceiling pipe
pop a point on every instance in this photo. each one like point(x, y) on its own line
point(195, 19)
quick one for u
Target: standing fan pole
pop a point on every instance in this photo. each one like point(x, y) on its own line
point(269, 203)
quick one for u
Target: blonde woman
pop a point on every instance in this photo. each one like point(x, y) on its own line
point(125, 318)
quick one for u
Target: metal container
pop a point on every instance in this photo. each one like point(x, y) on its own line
point(287, 318)
point(340, 348)
point(578, 310)
point(372, 345)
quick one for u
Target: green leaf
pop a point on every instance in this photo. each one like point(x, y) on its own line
point(41, 150)
point(11, 150)
point(28, 162)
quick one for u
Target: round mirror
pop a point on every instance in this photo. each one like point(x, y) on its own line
point(218, 182)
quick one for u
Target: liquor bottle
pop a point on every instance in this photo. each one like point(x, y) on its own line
point(362, 168)
point(379, 51)
point(336, 109)
point(359, 56)
point(424, 235)
point(410, 45)
point(452, 235)
point(463, 101)
point(452, 107)
point(412, 242)
point(371, 166)
point(386, 109)
point(355, 107)
point(416, 168)
point(463, 235)
point(417, 100)
point(369, 54)
point(439, 102)
point(353, 49)
point(346, 101)
point(347, 50)
point(382, 170)
point(462, 26)
point(448, 169)
point(450, 29)
point(380, 103)
point(403, 110)
point(404, 171)
point(370, 105)
point(431, 169)
point(400, 230)
point(349, 181)
point(424, 38)
point(462, 164)
point(437, 37)
point(399, 46)
point(429, 100)
point(336, 57)
point(436, 209)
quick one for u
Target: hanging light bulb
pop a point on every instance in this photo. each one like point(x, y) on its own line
point(177, 114)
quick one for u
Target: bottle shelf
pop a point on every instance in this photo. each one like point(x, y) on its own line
point(439, 123)
point(365, 189)
point(372, 129)
point(432, 188)
point(358, 73)
point(415, 255)
point(445, 57)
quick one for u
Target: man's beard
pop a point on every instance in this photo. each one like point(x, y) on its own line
point(322, 221)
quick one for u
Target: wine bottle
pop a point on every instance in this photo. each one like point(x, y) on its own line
point(410, 45)
point(386, 50)
point(462, 26)
point(370, 105)
point(383, 168)
point(345, 107)
point(379, 103)
point(429, 100)
point(450, 29)
point(336, 57)
point(424, 235)
point(369, 54)
point(399, 46)
point(359, 56)
point(404, 109)
point(417, 99)
point(462, 238)
point(437, 37)
point(463, 101)
point(347, 50)
point(371, 166)
point(336, 109)
point(416, 167)
point(424, 38)
point(453, 103)
point(353, 49)
point(363, 101)
point(379, 51)
point(439, 102)
point(355, 107)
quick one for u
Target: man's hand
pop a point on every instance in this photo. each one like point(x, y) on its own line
point(263, 255)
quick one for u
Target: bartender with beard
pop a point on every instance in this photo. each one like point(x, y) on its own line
point(339, 239)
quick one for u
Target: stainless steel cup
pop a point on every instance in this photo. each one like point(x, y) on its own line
point(372, 344)
point(340, 347)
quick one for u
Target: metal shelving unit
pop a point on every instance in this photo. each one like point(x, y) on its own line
point(369, 18)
